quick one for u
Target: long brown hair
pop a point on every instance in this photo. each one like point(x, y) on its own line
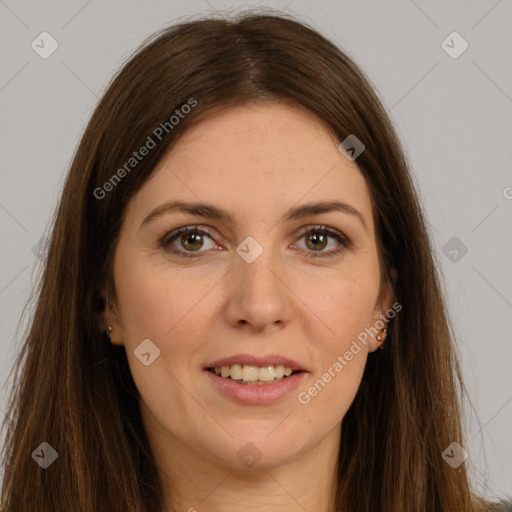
point(74, 390)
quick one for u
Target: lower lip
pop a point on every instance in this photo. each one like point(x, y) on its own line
point(259, 394)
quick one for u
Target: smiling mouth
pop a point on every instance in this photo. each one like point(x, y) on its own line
point(254, 375)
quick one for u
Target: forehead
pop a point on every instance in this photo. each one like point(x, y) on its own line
point(258, 158)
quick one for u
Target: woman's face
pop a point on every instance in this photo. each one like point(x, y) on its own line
point(248, 288)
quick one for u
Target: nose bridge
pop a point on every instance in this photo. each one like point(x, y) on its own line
point(256, 273)
point(258, 296)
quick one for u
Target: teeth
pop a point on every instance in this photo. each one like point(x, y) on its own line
point(254, 374)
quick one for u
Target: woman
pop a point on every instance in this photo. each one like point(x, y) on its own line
point(237, 239)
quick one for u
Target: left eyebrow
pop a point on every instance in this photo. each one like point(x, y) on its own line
point(310, 209)
point(214, 212)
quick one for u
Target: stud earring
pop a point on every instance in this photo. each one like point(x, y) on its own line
point(107, 333)
point(380, 338)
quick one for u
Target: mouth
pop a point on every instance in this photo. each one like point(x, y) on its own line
point(255, 385)
point(251, 375)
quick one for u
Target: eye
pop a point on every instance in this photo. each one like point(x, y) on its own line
point(191, 241)
point(187, 240)
point(317, 238)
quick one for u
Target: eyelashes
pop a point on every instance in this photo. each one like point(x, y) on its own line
point(192, 235)
point(184, 233)
point(343, 241)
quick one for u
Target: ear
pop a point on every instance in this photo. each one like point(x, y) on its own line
point(110, 318)
point(381, 314)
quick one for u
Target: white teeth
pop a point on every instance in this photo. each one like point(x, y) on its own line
point(265, 374)
point(235, 372)
point(250, 373)
point(254, 374)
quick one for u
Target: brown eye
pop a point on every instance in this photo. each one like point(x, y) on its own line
point(191, 241)
point(316, 241)
point(187, 241)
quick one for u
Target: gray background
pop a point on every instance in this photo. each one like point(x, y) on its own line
point(453, 116)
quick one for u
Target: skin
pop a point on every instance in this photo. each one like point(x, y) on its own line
point(248, 160)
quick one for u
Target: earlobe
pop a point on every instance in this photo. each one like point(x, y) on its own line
point(110, 322)
point(383, 312)
point(112, 332)
point(379, 331)
point(112, 326)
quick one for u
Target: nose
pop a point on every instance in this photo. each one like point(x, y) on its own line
point(258, 295)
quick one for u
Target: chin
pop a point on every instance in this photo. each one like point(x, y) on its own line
point(258, 449)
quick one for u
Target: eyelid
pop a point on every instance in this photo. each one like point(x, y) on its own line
point(322, 227)
point(343, 240)
point(169, 237)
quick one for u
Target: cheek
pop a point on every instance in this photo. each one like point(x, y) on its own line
point(170, 312)
point(341, 357)
point(146, 307)
point(159, 304)
point(345, 306)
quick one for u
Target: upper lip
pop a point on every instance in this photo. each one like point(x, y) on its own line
point(247, 359)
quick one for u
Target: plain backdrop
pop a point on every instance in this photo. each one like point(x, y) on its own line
point(452, 110)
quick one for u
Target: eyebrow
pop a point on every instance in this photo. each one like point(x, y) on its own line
point(214, 212)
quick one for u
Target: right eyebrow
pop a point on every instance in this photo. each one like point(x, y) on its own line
point(200, 209)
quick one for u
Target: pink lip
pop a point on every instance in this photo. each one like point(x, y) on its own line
point(256, 395)
point(246, 359)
